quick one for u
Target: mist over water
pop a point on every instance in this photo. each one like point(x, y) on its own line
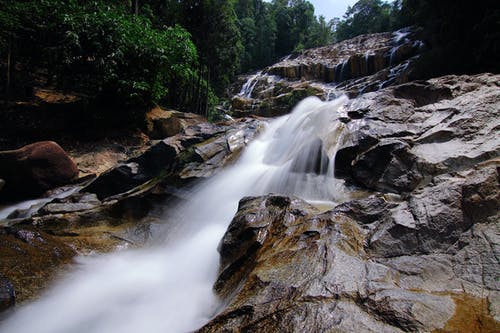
point(168, 287)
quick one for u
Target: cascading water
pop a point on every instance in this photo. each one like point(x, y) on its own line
point(168, 287)
point(29, 207)
point(249, 85)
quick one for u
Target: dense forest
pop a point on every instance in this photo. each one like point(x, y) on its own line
point(183, 54)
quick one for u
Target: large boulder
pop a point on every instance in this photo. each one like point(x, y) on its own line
point(161, 124)
point(399, 138)
point(34, 169)
point(376, 264)
point(285, 266)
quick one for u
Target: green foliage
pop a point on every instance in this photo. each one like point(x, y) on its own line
point(272, 30)
point(101, 50)
point(214, 30)
point(366, 16)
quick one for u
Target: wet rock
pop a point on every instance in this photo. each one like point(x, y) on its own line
point(34, 169)
point(31, 259)
point(413, 132)
point(73, 203)
point(435, 217)
point(136, 171)
point(286, 266)
point(312, 159)
point(362, 64)
point(7, 297)
point(198, 152)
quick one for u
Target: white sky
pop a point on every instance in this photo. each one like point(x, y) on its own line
point(331, 8)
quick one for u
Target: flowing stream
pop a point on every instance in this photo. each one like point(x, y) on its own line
point(168, 287)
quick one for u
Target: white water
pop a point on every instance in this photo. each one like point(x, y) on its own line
point(168, 288)
point(249, 85)
point(31, 206)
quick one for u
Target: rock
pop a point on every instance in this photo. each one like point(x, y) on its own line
point(287, 267)
point(356, 66)
point(199, 152)
point(161, 124)
point(2, 184)
point(36, 256)
point(7, 297)
point(74, 203)
point(34, 169)
point(434, 218)
point(410, 133)
point(136, 171)
point(312, 159)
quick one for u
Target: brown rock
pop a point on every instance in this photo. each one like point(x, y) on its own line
point(161, 124)
point(34, 169)
point(30, 259)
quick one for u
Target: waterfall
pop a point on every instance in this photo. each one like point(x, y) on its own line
point(247, 89)
point(168, 287)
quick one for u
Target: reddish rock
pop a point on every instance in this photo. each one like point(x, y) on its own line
point(34, 169)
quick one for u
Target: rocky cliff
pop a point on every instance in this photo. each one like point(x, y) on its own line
point(362, 64)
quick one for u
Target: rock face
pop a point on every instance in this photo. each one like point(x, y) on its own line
point(401, 137)
point(420, 254)
point(369, 265)
point(34, 169)
point(355, 66)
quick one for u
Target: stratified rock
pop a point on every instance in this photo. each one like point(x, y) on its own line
point(198, 152)
point(399, 138)
point(359, 65)
point(34, 169)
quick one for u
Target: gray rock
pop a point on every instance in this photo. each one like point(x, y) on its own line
point(411, 133)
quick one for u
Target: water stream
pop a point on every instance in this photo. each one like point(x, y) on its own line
point(168, 287)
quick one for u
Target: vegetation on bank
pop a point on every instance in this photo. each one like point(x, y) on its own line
point(130, 54)
point(133, 54)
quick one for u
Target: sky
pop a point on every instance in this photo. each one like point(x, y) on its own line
point(331, 8)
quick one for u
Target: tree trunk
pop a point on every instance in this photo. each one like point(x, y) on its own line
point(206, 92)
point(9, 56)
point(136, 7)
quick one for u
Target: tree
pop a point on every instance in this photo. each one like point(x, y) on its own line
point(462, 37)
point(365, 16)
